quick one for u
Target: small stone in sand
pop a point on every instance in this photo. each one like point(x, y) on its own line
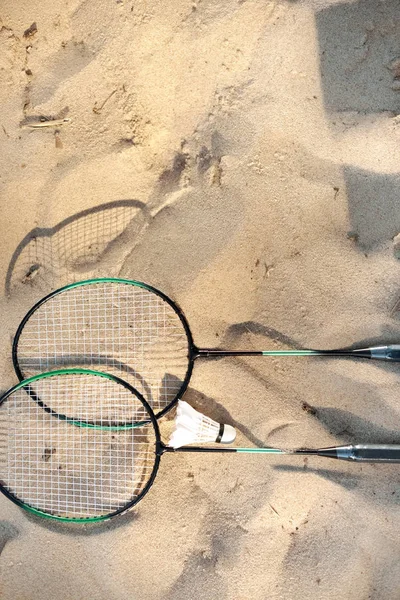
point(30, 31)
point(47, 453)
point(352, 235)
point(308, 408)
point(394, 67)
point(58, 141)
point(396, 246)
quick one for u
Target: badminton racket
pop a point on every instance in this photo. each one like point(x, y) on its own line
point(72, 471)
point(131, 330)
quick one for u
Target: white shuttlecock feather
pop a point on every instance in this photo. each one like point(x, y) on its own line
point(193, 427)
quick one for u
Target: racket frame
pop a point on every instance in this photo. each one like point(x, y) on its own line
point(193, 351)
point(75, 423)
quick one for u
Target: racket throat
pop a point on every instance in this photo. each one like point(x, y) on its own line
point(161, 448)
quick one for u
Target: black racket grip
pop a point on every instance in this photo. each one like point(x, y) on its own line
point(389, 453)
point(386, 352)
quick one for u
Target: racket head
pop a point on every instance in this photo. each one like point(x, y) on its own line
point(118, 326)
point(74, 472)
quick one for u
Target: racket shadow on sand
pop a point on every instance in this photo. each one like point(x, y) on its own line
point(199, 401)
point(346, 480)
point(138, 325)
point(102, 362)
point(69, 469)
point(237, 330)
point(344, 424)
point(92, 241)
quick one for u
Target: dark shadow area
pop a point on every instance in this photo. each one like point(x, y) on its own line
point(348, 481)
point(103, 363)
point(366, 486)
point(74, 249)
point(359, 48)
point(8, 532)
point(374, 205)
point(200, 572)
point(358, 42)
point(215, 410)
point(353, 429)
point(235, 332)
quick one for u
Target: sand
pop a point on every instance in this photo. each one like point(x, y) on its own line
point(242, 156)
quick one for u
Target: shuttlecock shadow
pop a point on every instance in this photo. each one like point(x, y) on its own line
point(215, 410)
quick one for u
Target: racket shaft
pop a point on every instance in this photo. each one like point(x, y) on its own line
point(370, 453)
point(390, 353)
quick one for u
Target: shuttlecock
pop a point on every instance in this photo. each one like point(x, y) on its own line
point(192, 427)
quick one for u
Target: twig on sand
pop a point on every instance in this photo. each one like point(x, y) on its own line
point(274, 509)
point(395, 308)
point(46, 123)
point(97, 109)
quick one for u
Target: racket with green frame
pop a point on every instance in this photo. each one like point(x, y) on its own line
point(131, 330)
point(70, 470)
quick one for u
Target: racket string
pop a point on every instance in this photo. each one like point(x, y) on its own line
point(71, 471)
point(119, 328)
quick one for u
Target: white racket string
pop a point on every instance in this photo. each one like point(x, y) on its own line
point(122, 329)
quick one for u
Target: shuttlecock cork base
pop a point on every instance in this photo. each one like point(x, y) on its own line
point(193, 427)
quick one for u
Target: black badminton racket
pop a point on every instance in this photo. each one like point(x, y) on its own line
point(71, 471)
point(131, 330)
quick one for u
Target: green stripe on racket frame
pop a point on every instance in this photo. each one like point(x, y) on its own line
point(132, 330)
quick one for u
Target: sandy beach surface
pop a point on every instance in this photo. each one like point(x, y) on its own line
point(244, 157)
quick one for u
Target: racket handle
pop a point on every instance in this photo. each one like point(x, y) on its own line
point(370, 453)
point(386, 352)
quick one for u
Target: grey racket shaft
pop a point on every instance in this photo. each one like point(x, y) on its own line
point(366, 453)
point(390, 353)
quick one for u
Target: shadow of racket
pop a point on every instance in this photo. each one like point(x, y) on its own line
point(77, 248)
